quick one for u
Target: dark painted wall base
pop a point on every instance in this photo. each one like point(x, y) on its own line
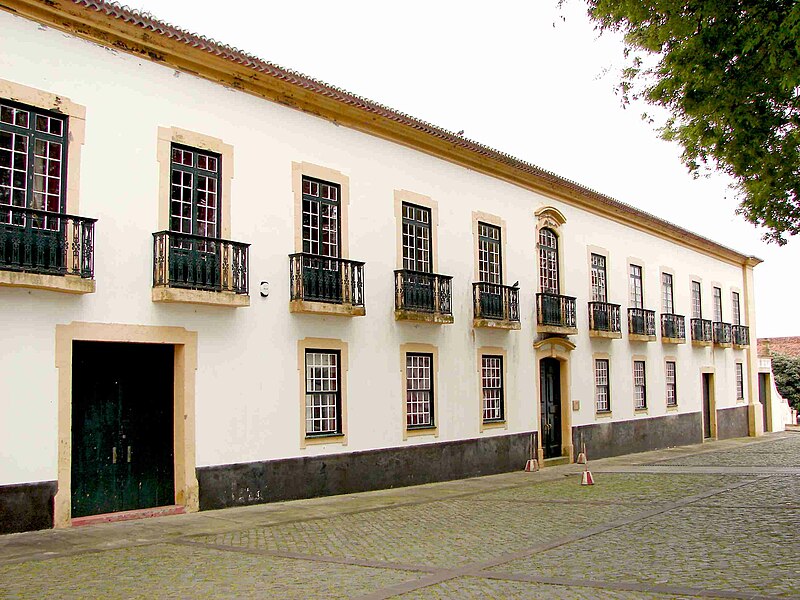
point(26, 506)
point(289, 479)
point(638, 435)
point(732, 422)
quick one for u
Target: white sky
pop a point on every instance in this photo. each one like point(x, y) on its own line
point(514, 75)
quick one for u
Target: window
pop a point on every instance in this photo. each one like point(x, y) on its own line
point(489, 258)
point(323, 393)
point(419, 390)
point(636, 287)
point(492, 386)
point(639, 385)
point(599, 278)
point(672, 395)
point(195, 192)
point(33, 165)
point(739, 381)
point(718, 305)
point(321, 218)
point(697, 301)
point(737, 315)
point(548, 262)
point(666, 294)
point(416, 238)
point(601, 390)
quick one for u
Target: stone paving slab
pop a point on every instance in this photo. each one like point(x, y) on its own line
point(781, 452)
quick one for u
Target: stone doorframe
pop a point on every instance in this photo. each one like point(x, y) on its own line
point(712, 400)
point(185, 366)
point(558, 348)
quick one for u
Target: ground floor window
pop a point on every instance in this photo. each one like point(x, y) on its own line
point(419, 390)
point(739, 381)
point(492, 386)
point(672, 394)
point(323, 393)
point(639, 385)
point(601, 389)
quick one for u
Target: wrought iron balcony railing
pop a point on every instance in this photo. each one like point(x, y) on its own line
point(495, 301)
point(604, 317)
point(554, 310)
point(641, 321)
point(47, 243)
point(741, 335)
point(722, 333)
point(422, 292)
point(701, 330)
point(315, 278)
point(673, 326)
point(182, 260)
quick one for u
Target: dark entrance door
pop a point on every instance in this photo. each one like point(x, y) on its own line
point(763, 386)
point(550, 397)
point(706, 405)
point(122, 427)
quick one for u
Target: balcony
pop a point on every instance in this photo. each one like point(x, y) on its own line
point(673, 329)
point(495, 306)
point(741, 336)
point(555, 314)
point(641, 325)
point(195, 269)
point(722, 334)
point(701, 332)
point(422, 297)
point(46, 250)
point(604, 320)
point(324, 285)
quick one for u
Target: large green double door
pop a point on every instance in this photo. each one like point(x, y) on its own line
point(122, 427)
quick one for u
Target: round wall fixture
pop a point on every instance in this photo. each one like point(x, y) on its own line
point(264, 289)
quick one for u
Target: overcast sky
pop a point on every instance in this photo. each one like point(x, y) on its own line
point(527, 78)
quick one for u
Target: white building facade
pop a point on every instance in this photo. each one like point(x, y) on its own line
point(225, 283)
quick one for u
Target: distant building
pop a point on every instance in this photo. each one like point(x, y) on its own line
point(777, 412)
point(226, 283)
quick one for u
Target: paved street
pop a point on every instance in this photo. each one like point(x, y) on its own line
point(719, 520)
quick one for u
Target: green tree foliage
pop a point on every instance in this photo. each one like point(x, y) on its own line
point(728, 74)
point(786, 370)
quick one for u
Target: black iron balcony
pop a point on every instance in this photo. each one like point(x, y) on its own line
point(642, 322)
point(419, 292)
point(196, 262)
point(741, 335)
point(604, 319)
point(722, 333)
point(46, 243)
point(555, 313)
point(673, 328)
point(495, 302)
point(701, 331)
point(314, 278)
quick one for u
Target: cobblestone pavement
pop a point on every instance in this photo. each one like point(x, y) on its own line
point(729, 533)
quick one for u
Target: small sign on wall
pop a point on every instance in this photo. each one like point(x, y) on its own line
point(576, 405)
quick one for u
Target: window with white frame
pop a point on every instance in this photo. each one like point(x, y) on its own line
point(736, 314)
point(602, 397)
point(489, 258)
point(739, 381)
point(419, 390)
point(697, 301)
point(548, 262)
point(323, 393)
point(636, 299)
point(195, 192)
point(717, 305)
point(416, 238)
point(672, 392)
point(492, 387)
point(321, 226)
point(599, 293)
point(667, 304)
point(639, 385)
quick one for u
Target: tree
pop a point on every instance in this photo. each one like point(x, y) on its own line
point(786, 370)
point(728, 74)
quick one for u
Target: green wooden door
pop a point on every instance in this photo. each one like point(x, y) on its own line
point(122, 427)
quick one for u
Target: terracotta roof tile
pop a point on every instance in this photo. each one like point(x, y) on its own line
point(789, 346)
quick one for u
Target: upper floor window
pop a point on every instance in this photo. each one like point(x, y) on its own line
point(492, 388)
point(636, 287)
point(718, 305)
point(489, 254)
point(639, 385)
point(195, 192)
point(599, 293)
point(323, 395)
point(737, 315)
point(417, 238)
point(601, 389)
point(33, 166)
point(321, 224)
point(672, 393)
point(419, 390)
point(667, 303)
point(548, 261)
point(697, 301)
